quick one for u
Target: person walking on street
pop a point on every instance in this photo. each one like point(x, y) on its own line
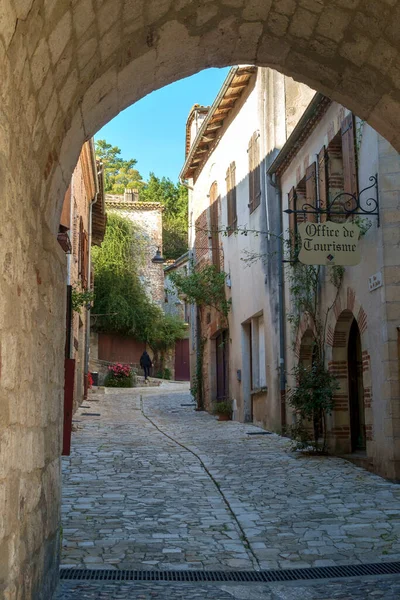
point(146, 364)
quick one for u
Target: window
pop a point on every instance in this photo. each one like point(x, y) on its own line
point(254, 171)
point(337, 173)
point(337, 170)
point(257, 353)
point(214, 237)
point(83, 254)
point(231, 197)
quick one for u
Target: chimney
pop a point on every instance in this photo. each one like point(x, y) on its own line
point(131, 195)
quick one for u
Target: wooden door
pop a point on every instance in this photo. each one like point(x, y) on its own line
point(356, 395)
point(182, 370)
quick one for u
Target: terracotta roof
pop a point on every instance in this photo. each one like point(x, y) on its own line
point(119, 202)
point(208, 134)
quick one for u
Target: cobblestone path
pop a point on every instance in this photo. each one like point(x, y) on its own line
point(153, 484)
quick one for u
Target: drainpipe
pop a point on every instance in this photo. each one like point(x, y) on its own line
point(89, 265)
point(281, 305)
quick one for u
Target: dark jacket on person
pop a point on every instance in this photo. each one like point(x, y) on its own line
point(145, 360)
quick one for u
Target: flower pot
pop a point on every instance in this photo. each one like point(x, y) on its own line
point(224, 418)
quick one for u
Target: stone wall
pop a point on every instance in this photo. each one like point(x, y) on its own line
point(67, 69)
point(31, 400)
point(82, 193)
point(147, 218)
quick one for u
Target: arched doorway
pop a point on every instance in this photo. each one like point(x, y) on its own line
point(356, 389)
point(348, 426)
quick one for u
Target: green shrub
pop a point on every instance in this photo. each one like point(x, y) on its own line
point(120, 376)
point(223, 408)
point(164, 374)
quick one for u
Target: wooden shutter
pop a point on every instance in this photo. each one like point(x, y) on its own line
point(292, 217)
point(256, 170)
point(214, 225)
point(301, 200)
point(231, 187)
point(323, 184)
point(80, 249)
point(250, 152)
point(311, 191)
point(349, 157)
point(228, 195)
point(85, 251)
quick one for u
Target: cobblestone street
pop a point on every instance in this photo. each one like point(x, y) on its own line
point(152, 484)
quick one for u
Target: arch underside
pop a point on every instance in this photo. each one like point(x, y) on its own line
point(71, 67)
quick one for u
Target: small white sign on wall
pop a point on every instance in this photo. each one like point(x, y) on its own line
point(375, 281)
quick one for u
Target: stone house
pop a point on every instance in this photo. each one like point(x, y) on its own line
point(178, 307)
point(332, 151)
point(147, 218)
point(227, 155)
point(82, 224)
point(268, 144)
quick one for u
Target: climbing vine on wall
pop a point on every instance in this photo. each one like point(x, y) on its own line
point(205, 287)
point(312, 395)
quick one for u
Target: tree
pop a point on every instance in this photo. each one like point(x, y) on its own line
point(121, 301)
point(162, 335)
point(119, 295)
point(119, 174)
point(174, 198)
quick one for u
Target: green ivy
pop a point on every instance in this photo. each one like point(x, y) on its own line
point(81, 298)
point(203, 286)
point(121, 302)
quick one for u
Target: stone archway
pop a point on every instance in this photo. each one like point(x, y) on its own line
point(350, 366)
point(68, 68)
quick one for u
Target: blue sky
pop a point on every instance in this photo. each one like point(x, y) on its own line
point(153, 129)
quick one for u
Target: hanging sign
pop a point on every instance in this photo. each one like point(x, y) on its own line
point(329, 243)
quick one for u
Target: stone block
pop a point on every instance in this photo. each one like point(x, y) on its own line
point(392, 294)
point(60, 37)
point(278, 24)
point(40, 64)
point(391, 275)
point(107, 15)
point(285, 7)
point(7, 21)
point(249, 35)
point(303, 23)
point(393, 311)
point(256, 11)
point(86, 52)
point(355, 47)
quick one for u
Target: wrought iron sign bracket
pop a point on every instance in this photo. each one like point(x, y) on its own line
point(350, 204)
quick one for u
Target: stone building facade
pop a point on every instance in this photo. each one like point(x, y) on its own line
point(332, 151)
point(226, 166)
point(82, 224)
point(265, 138)
point(147, 219)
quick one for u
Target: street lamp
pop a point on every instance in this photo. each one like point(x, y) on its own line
point(157, 258)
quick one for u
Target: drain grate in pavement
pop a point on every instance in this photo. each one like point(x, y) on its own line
point(192, 405)
point(91, 414)
point(388, 568)
point(259, 433)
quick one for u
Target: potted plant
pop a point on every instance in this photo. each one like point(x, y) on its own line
point(223, 410)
